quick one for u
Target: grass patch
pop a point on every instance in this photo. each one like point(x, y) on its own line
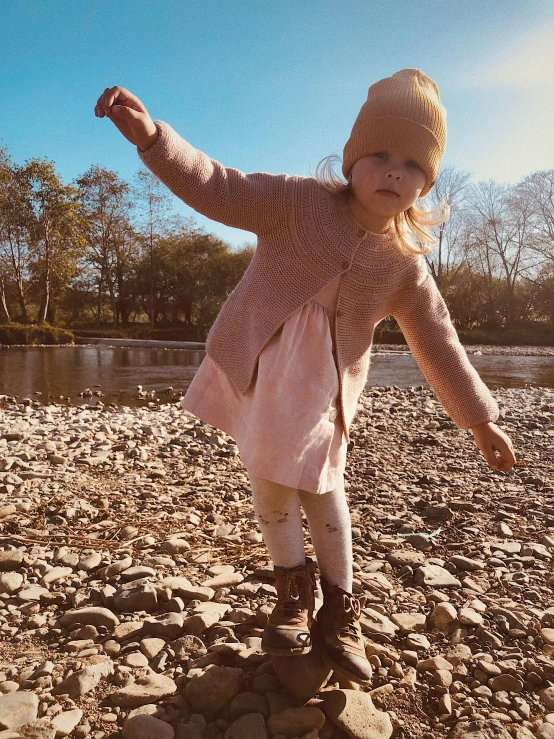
point(16, 333)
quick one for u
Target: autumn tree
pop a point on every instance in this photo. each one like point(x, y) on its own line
point(112, 243)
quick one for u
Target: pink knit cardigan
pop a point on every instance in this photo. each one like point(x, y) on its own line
point(306, 237)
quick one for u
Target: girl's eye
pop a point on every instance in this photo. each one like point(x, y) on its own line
point(380, 154)
point(413, 164)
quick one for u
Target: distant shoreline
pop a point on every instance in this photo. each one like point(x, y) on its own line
point(516, 351)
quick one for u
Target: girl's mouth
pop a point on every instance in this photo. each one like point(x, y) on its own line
point(388, 193)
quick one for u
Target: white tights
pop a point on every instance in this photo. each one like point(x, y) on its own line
point(277, 509)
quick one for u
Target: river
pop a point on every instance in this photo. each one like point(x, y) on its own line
point(56, 373)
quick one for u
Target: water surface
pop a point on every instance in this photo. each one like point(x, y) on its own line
point(117, 371)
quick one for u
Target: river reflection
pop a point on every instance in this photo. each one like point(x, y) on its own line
point(68, 371)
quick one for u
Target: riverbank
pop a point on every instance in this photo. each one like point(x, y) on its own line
point(134, 580)
point(521, 351)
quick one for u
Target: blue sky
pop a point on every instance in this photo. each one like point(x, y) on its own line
point(273, 85)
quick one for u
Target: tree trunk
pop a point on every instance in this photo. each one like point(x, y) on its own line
point(99, 304)
point(4, 312)
point(21, 301)
point(45, 302)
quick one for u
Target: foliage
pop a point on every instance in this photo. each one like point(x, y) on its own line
point(104, 252)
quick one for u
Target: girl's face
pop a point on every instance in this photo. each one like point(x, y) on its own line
point(384, 184)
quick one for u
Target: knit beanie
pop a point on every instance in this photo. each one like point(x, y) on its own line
point(402, 112)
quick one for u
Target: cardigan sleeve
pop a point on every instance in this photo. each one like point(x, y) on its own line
point(423, 317)
point(254, 202)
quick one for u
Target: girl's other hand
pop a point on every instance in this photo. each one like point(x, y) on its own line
point(496, 446)
point(129, 115)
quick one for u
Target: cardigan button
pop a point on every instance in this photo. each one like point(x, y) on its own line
point(345, 265)
point(339, 313)
point(332, 415)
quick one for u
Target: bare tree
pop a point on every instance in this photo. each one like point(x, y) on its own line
point(538, 189)
point(153, 203)
point(501, 230)
point(451, 188)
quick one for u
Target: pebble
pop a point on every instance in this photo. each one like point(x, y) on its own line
point(354, 712)
point(17, 709)
point(146, 689)
point(147, 727)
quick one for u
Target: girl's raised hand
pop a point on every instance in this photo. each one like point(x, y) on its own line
point(496, 446)
point(129, 115)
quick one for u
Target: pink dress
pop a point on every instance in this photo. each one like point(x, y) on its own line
point(291, 409)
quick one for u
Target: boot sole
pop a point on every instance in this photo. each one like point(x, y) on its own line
point(276, 652)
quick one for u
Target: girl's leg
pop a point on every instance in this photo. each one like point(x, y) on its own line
point(330, 528)
point(339, 618)
point(288, 629)
point(278, 512)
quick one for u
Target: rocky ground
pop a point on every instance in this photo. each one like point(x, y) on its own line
point(511, 351)
point(134, 585)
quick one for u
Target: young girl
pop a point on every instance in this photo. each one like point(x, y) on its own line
point(288, 355)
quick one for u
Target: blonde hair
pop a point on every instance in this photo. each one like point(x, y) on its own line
point(411, 226)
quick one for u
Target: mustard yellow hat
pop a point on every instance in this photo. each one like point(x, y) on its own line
point(402, 112)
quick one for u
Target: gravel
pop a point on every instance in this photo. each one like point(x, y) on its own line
point(134, 586)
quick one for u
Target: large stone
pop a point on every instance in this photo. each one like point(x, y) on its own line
point(353, 712)
point(183, 587)
point(465, 563)
point(442, 615)
point(547, 697)
point(148, 689)
point(373, 623)
point(223, 581)
point(251, 726)
point(83, 681)
point(39, 729)
point(11, 559)
point(90, 616)
point(138, 595)
point(10, 582)
point(509, 683)
point(198, 623)
point(147, 727)
point(210, 692)
point(17, 709)
point(409, 621)
point(296, 721)
point(479, 730)
point(436, 577)
point(56, 574)
point(65, 722)
point(168, 626)
point(309, 675)
point(244, 703)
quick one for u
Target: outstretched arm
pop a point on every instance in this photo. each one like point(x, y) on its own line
point(253, 202)
point(425, 322)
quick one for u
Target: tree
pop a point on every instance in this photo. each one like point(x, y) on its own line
point(112, 242)
point(152, 199)
point(500, 231)
point(55, 229)
point(451, 188)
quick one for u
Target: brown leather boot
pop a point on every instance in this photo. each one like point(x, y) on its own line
point(338, 630)
point(288, 630)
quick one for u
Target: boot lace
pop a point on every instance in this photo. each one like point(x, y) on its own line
point(352, 610)
point(292, 605)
